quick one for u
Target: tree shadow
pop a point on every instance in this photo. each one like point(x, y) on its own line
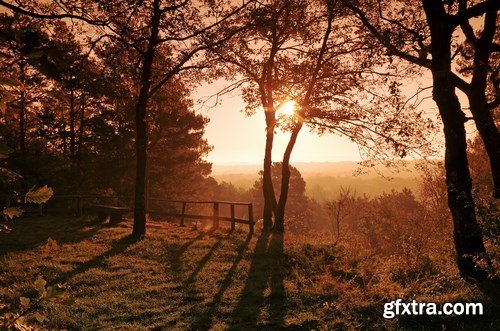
point(203, 262)
point(205, 318)
point(29, 233)
point(246, 313)
point(174, 256)
point(267, 269)
point(277, 298)
point(118, 247)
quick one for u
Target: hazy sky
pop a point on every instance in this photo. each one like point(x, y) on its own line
point(240, 139)
point(237, 138)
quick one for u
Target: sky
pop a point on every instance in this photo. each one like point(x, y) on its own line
point(237, 138)
point(240, 139)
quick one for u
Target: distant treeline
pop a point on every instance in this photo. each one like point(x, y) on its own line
point(325, 187)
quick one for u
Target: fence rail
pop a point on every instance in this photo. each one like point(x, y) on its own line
point(215, 217)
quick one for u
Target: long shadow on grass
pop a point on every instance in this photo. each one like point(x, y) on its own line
point(277, 299)
point(118, 247)
point(266, 267)
point(187, 293)
point(205, 318)
point(29, 233)
point(188, 290)
point(174, 255)
point(203, 262)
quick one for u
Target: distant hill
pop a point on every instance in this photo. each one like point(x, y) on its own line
point(346, 168)
point(325, 179)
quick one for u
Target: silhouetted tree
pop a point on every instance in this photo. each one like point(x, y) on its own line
point(428, 30)
point(340, 89)
point(261, 54)
point(185, 29)
point(298, 201)
point(483, 91)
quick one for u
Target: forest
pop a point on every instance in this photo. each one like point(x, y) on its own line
point(115, 217)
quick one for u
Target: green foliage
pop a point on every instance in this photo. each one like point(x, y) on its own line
point(78, 121)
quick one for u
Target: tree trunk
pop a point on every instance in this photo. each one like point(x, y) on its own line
point(467, 233)
point(72, 141)
point(79, 149)
point(485, 124)
point(22, 109)
point(81, 129)
point(141, 126)
point(488, 132)
point(267, 183)
point(279, 223)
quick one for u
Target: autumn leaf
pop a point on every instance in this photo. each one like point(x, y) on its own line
point(25, 302)
point(40, 195)
point(11, 212)
point(40, 286)
point(56, 292)
point(39, 317)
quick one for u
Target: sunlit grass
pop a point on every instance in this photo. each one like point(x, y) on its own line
point(180, 278)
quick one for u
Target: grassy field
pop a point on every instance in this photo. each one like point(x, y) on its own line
point(185, 279)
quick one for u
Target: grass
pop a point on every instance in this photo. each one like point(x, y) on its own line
point(181, 278)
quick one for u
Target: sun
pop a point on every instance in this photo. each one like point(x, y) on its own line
point(287, 109)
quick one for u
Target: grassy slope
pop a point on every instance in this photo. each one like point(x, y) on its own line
point(180, 278)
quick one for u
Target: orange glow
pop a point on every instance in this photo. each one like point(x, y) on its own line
point(287, 109)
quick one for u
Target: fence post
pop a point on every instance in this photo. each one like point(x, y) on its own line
point(216, 215)
point(250, 217)
point(232, 217)
point(183, 212)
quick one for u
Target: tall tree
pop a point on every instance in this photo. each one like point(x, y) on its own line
point(262, 55)
point(337, 85)
point(325, 73)
point(483, 47)
point(429, 31)
point(183, 28)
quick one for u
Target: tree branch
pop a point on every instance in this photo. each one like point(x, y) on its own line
point(206, 28)
point(20, 10)
point(474, 11)
point(384, 40)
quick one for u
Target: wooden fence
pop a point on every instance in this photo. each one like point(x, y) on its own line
point(78, 201)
